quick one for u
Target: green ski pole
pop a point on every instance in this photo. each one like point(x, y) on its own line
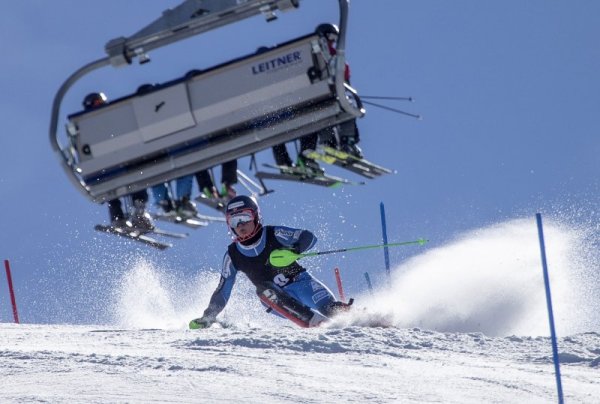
point(283, 258)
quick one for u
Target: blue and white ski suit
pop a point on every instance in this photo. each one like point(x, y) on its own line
point(252, 259)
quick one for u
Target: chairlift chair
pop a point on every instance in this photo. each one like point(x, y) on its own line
point(207, 117)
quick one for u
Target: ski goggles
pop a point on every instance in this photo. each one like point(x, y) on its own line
point(239, 218)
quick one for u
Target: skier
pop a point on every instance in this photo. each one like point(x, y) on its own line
point(291, 291)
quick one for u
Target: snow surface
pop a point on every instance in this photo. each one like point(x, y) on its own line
point(249, 364)
point(462, 323)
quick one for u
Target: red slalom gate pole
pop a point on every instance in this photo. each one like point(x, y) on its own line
point(338, 279)
point(12, 291)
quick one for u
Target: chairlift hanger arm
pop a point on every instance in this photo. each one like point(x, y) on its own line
point(190, 18)
point(340, 66)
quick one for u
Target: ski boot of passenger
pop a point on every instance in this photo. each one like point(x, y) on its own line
point(166, 207)
point(141, 220)
point(117, 217)
point(210, 193)
point(186, 208)
point(227, 192)
point(119, 223)
point(308, 166)
point(349, 145)
point(211, 197)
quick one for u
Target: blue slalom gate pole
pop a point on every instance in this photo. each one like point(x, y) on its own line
point(538, 217)
point(386, 254)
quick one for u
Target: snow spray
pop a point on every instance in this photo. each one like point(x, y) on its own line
point(488, 280)
point(149, 295)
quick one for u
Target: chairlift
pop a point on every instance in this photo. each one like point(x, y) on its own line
point(208, 117)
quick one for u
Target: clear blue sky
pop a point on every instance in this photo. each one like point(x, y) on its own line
point(509, 92)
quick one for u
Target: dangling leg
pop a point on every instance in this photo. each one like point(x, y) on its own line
point(349, 138)
point(327, 137)
point(228, 178)
point(309, 142)
point(281, 155)
point(206, 185)
point(183, 204)
point(115, 212)
point(161, 196)
point(140, 219)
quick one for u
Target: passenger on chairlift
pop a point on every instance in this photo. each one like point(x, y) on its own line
point(139, 219)
point(347, 132)
point(344, 136)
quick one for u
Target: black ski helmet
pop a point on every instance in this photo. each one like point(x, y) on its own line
point(328, 30)
point(240, 204)
point(94, 100)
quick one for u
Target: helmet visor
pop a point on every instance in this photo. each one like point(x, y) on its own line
point(239, 218)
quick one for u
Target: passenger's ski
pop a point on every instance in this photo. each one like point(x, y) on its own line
point(347, 161)
point(296, 174)
point(191, 222)
point(166, 233)
point(208, 218)
point(133, 234)
point(217, 204)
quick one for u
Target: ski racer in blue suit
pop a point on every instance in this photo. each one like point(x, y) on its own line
point(290, 291)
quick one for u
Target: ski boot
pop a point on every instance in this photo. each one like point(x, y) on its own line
point(119, 223)
point(186, 208)
point(227, 192)
point(309, 166)
point(349, 145)
point(141, 220)
point(210, 193)
point(336, 308)
point(166, 208)
point(117, 217)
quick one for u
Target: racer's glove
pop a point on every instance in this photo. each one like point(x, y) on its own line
point(200, 323)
